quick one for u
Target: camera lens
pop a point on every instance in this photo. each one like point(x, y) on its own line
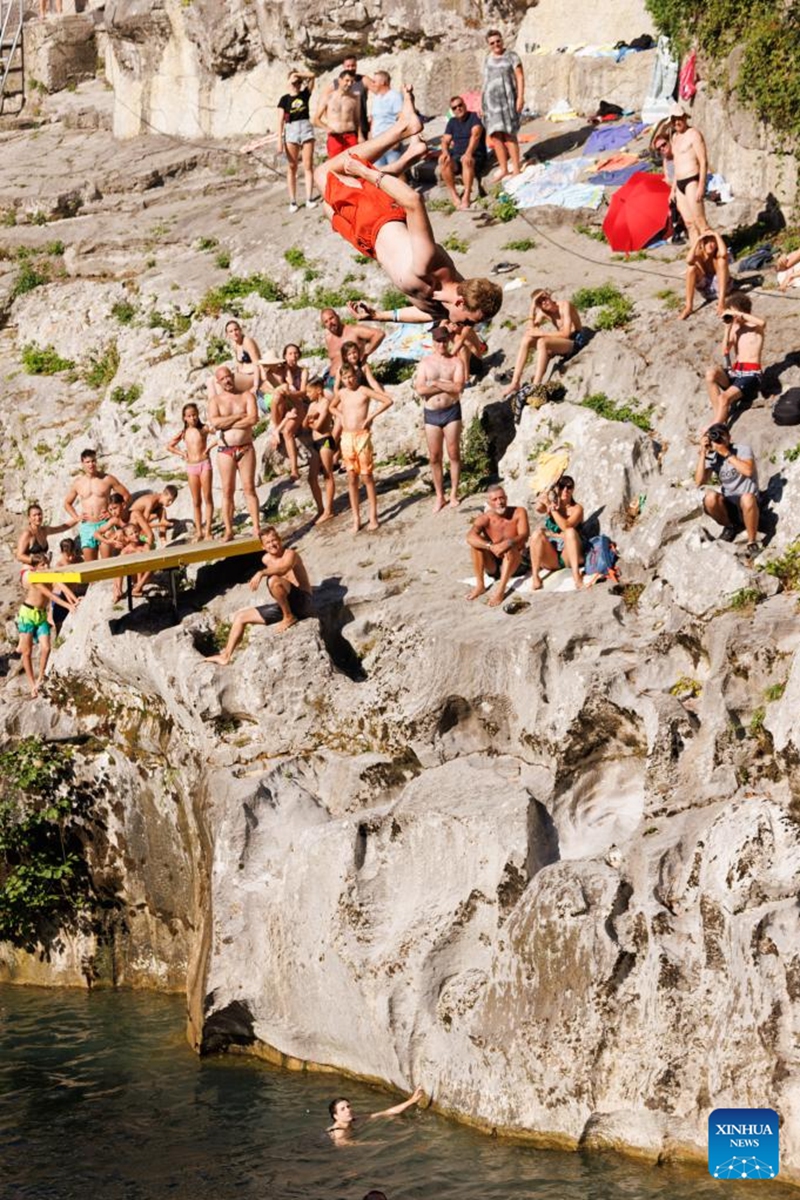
point(727, 318)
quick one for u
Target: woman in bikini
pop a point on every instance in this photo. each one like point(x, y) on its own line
point(33, 539)
point(288, 409)
point(558, 543)
point(194, 436)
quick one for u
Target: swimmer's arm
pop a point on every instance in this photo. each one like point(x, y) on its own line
point(702, 473)
point(119, 487)
point(410, 315)
point(422, 385)
point(786, 261)
point(472, 145)
point(446, 143)
point(702, 163)
point(752, 322)
point(143, 525)
point(66, 592)
point(476, 535)
point(522, 526)
point(23, 551)
point(69, 502)
point(280, 566)
point(395, 1111)
point(383, 400)
point(519, 76)
point(319, 115)
point(172, 445)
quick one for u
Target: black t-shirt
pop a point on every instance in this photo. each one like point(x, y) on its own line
point(296, 107)
point(460, 131)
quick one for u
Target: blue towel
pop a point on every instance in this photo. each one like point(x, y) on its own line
point(603, 140)
point(615, 178)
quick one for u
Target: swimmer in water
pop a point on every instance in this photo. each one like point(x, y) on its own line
point(344, 1119)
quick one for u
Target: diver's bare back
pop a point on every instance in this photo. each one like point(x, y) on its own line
point(394, 252)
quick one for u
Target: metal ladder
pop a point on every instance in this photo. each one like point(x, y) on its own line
point(12, 72)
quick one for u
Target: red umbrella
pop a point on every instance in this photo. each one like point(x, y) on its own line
point(637, 212)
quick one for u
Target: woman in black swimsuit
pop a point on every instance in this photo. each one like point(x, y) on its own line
point(247, 373)
point(33, 539)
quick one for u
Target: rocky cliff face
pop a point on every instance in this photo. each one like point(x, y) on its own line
point(542, 861)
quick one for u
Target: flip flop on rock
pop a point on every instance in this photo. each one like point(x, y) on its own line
point(503, 268)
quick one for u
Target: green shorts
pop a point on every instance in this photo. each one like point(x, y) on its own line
point(33, 621)
point(88, 531)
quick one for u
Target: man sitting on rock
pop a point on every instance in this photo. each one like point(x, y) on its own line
point(569, 336)
point(289, 587)
point(735, 506)
point(463, 151)
point(497, 539)
point(742, 349)
point(384, 218)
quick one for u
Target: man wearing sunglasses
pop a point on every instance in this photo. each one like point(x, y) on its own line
point(463, 151)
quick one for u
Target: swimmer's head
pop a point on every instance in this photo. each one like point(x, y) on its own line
point(115, 505)
point(543, 299)
point(350, 64)
point(271, 540)
point(441, 336)
point(89, 461)
point(346, 80)
point(478, 300)
point(35, 514)
point(314, 389)
point(233, 330)
point(67, 546)
point(191, 415)
point(169, 495)
point(40, 559)
point(131, 532)
point(341, 1111)
point(739, 302)
point(224, 377)
point(348, 375)
point(291, 354)
point(351, 353)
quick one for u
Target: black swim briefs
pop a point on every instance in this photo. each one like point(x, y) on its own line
point(442, 416)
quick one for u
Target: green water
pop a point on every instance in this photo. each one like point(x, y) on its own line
point(101, 1097)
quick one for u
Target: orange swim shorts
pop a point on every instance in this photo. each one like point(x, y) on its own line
point(356, 451)
point(360, 210)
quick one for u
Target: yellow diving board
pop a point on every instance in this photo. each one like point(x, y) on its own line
point(165, 558)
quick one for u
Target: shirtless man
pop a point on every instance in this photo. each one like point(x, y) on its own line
point(336, 333)
point(352, 405)
point(497, 539)
point(707, 270)
point(440, 380)
point(742, 349)
point(567, 340)
point(384, 218)
point(93, 489)
point(340, 113)
point(691, 168)
point(234, 414)
point(288, 585)
point(344, 1119)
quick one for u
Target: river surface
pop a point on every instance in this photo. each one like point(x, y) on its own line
point(101, 1097)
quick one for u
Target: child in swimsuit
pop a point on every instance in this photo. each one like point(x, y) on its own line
point(194, 436)
point(130, 543)
point(353, 405)
point(288, 404)
point(70, 554)
point(32, 622)
point(322, 424)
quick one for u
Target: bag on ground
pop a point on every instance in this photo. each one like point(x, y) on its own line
point(601, 559)
point(786, 409)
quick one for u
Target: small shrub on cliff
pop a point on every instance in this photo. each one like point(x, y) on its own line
point(787, 568)
point(28, 278)
point(218, 351)
point(122, 395)
point(44, 360)
point(101, 366)
point(228, 297)
point(477, 466)
point(611, 411)
point(124, 312)
point(616, 310)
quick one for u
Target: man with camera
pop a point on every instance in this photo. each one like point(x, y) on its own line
point(735, 507)
point(742, 349)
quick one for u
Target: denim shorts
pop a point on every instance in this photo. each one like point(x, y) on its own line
point(299, 132)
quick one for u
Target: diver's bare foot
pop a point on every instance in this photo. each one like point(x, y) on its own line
point(464, 206)
point(323, 516)
point(578, 584)
point(207, 534)
point(351, 165)
point(478, 590)
point(285, 624)
point(198, 537)
point(536, 584)
point(687, 312)
point(228, 535)
point(373, 525)
point(439, 504)
point(417, 148)
point(454, 501)
point(497, 597)
point(409, 115)
point(356, 526)
point(220, 659)
point(498, 175)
